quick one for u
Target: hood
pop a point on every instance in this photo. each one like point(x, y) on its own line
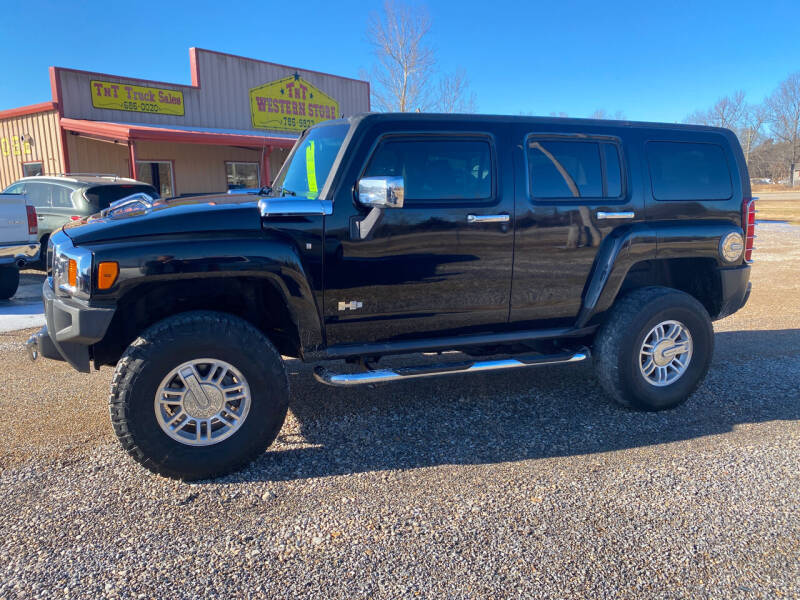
point(193, 214)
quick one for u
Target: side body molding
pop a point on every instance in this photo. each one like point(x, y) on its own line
point(647, 241)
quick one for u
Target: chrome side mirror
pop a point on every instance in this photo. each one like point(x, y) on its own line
point(381, 192)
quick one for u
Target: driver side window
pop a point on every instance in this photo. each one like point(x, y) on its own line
point(436, 169)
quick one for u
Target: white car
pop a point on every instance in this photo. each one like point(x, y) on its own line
point(19, 244)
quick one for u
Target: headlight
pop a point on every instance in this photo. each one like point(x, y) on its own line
point(72, 272)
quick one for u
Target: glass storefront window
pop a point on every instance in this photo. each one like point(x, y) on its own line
point(241, 175)
point(158, 174)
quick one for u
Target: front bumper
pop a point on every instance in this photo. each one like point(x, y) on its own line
point(735, 289)
point(28, 253)
point(72, 327)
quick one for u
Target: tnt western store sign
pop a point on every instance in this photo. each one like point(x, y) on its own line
point(232, 126)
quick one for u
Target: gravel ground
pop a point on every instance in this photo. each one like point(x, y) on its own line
point(505, 485)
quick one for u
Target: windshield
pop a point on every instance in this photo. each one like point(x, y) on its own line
point(311, 162)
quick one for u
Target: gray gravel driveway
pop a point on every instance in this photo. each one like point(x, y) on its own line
point(525, 484)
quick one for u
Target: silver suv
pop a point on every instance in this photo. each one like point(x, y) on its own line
point(60, 199)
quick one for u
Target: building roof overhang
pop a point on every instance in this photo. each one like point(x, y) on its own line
point(128, 132)
point(28, 110)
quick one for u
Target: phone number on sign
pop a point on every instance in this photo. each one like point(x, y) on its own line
point(295, 122)
point(141, 107)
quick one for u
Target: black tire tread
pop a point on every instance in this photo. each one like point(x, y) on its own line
point(610, 337)
point(135, 357)
point(9, 281)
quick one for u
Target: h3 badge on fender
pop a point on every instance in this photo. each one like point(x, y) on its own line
point(352, 305)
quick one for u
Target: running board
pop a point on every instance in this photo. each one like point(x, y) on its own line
point(382, 375)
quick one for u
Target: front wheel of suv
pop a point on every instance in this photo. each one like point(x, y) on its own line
point(654, 348)
point(198, 395)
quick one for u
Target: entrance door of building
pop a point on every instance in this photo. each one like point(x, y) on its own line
point(157, 173)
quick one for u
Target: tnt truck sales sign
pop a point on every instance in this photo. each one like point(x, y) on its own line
point(290, 104)
point(136, 98)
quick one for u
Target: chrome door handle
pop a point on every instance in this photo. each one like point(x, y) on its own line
point(40, 217)
point(615, 215)
point(488, 218)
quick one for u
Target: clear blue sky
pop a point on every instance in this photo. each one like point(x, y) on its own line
point(652, 60)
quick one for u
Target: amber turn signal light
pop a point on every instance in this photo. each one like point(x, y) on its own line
point(72, 273)
point(106, 274)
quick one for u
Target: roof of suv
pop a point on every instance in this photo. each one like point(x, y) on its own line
point(79, 180)
point(469, 117)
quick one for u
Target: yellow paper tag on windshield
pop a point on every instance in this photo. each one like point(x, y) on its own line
point(311, 170)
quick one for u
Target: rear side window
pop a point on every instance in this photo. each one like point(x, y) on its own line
point(100, 196)
point(566, 169)
point(38, 194)
point(436, 169)
point(688, 171)
point(60, 196)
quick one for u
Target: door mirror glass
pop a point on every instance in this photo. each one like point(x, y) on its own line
point(381, 192)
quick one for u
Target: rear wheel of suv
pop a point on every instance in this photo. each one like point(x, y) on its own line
point(9, 282)
point(654, 348)
point(198, 395)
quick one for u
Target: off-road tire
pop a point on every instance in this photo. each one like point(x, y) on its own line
point(619, 340)
point(178, 339)
point(9, 282)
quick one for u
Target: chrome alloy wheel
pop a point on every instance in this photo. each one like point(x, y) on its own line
point(202, 402)
point(665, 353)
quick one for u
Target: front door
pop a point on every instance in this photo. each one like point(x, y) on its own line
point(441, 263)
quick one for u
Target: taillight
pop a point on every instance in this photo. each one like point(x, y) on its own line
point(75, 218)
point(749, 226)
point(33, 223)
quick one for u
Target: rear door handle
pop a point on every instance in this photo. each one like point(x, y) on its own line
point(615, 215)
point(488, 218)
point(40, 217)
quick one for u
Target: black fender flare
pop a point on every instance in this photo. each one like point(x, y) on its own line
point(627, 246)
point(274, 259)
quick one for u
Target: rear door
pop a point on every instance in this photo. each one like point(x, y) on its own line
point(13, 216)
point(573, 190)
point(442, 262)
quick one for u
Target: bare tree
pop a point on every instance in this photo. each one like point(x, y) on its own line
point(454, 95)
point(405, 78)
point(783, 108)
point(601, 113)
point(402, 77)
point(751, 127)
point(727, 112)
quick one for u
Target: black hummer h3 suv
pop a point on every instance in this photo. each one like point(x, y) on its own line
point(516, 241)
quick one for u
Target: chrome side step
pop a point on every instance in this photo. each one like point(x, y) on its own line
point(382, 375)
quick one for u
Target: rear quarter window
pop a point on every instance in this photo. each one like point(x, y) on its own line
point(689, 171)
